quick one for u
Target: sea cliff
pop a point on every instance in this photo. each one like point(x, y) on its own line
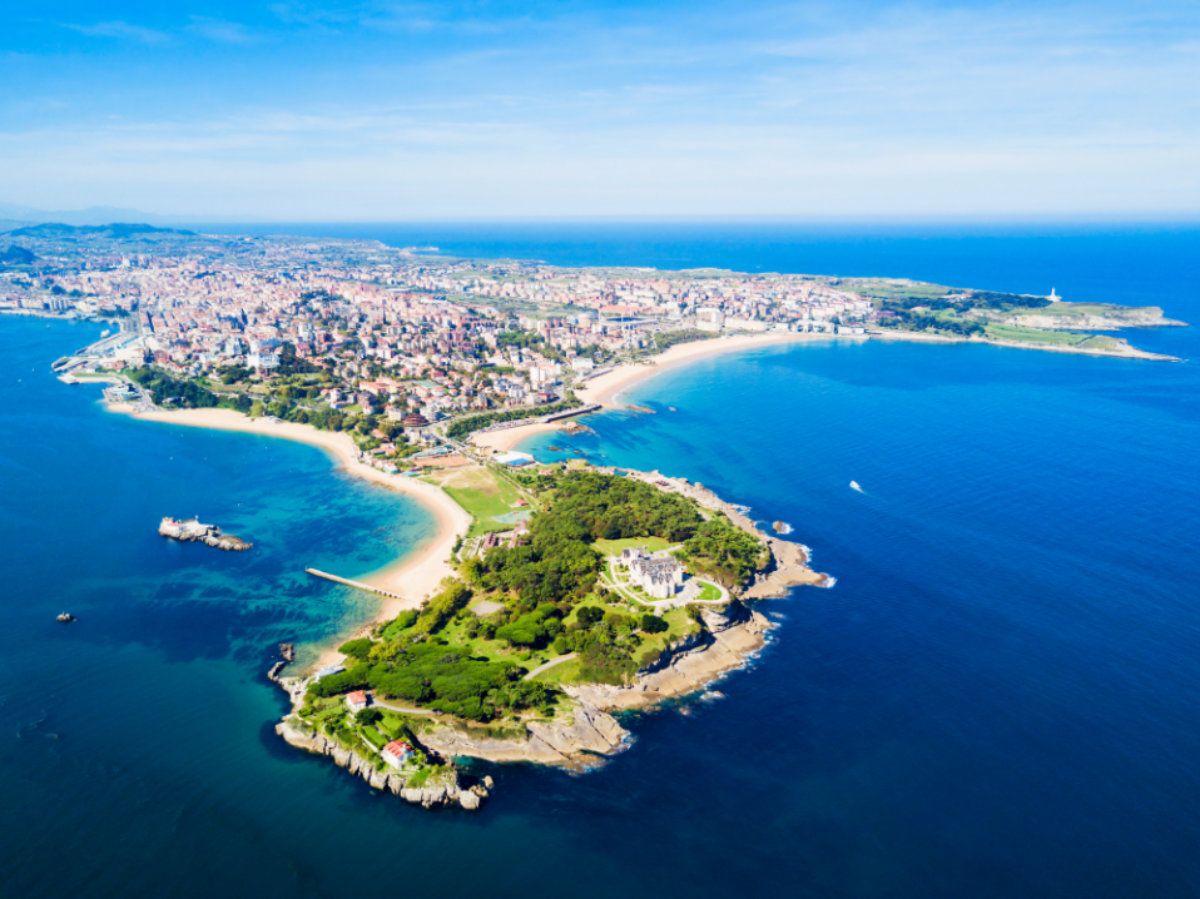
point(442, 790)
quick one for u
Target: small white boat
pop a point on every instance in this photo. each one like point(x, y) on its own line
point(64, 617)
point(854, 485)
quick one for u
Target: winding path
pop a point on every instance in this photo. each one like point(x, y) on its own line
point(403, 710)
point(546, 666)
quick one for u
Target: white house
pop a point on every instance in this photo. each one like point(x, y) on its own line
point(396, 753)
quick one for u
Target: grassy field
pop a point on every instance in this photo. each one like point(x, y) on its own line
point(1066, 309)
point(614, 547)
point(487, 497)
point(566, 673)
point(680, 624)
point(894, 288)
point(708, 591)
point(1056, 338)
point(1034, 335)
point(374, 737)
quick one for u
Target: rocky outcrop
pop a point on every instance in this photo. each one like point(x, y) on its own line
point(194, 530)
point(787, 565)
point(787, 568)
point(732, 635)
point(445, 791)
point(589, 732)
point(577, 740)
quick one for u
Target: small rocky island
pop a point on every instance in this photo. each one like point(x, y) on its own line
point(193, 530)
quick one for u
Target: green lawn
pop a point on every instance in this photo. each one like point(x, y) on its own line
point(708, 590)
point(1034, 335)
point(1063, 309)
point(374, 737)
point(566, 673)
point(1104, 342)
point(391, 724)
point(614, 547)
point(479, 648)
point(895, 288)
point(679, 624)
point(487, 497)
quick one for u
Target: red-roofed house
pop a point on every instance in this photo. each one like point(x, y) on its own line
point(358, 700)
point(396, 753)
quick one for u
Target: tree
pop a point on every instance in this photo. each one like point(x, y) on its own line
point(368, 716)
point(589, 615)
point(652, 624)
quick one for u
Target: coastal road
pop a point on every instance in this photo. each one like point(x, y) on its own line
point(404, 710)
point(546, 666)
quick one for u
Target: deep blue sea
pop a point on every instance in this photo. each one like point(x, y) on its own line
point(1000, 697)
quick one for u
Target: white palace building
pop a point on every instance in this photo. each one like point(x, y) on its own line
point(660, 577)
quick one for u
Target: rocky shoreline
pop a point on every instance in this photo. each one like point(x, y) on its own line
point(587, 733)
point(581, 740)
point(589, 736)
point(731, 637)
point(445, 791)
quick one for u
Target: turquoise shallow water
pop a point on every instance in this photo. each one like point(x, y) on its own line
point(998, 698)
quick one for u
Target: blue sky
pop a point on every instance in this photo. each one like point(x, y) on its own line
point(393, 111)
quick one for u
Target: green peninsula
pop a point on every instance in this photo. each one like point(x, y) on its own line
point(589, 603)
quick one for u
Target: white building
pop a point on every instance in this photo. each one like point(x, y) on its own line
point(396, 753)
point(658, 576)
point(709, 318)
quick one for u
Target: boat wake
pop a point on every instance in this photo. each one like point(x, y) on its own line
point(857, 488)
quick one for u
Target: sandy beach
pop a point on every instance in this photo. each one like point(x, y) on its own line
point(605, 389)
point(415, 575)
point(505, 439)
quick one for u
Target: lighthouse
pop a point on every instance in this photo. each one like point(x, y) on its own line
point(1054, 297)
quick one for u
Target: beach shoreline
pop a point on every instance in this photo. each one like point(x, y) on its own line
point(417, 574)
point(503, 440)
point(412, 577)
point(605, 389)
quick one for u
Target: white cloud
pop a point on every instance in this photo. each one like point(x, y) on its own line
point(221, 31)
point(120, 30)
point(974, 110)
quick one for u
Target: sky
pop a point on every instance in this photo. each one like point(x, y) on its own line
point(392, 111)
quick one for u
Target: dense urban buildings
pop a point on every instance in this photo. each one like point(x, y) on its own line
point(355, 333)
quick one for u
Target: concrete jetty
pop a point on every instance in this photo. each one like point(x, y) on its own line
point(358, 585)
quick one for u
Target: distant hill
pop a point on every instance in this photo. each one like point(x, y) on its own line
point(93, 215)
point(16, 255)
point(115, 231)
